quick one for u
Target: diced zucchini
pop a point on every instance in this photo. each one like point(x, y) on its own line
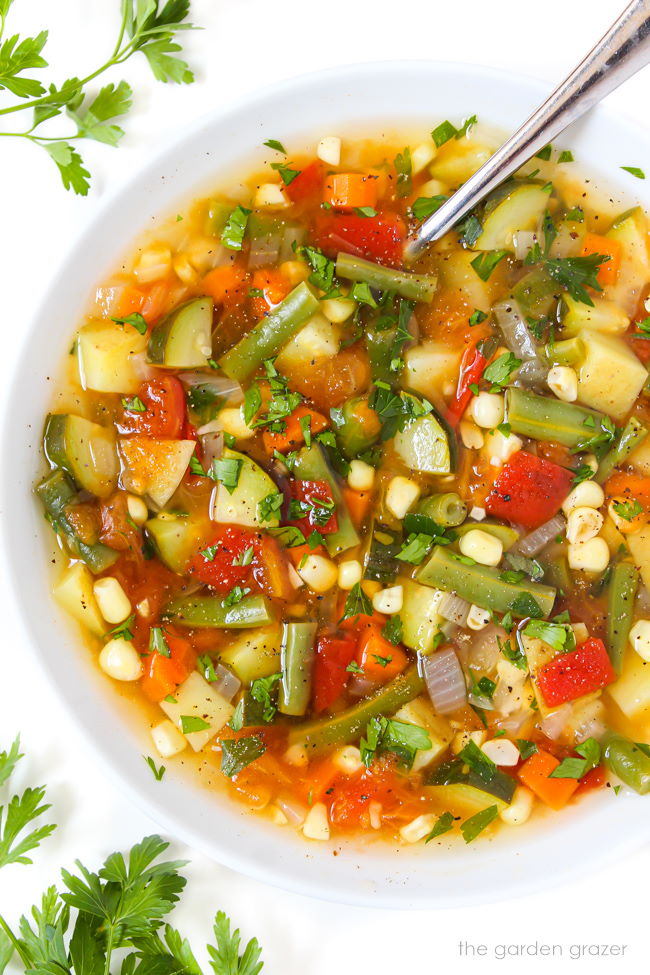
point(241, 507)
point(216, 217)
point(423, 446)
point(536, 292)
point(420, 713)
point(198, 710)
point(86, 450)
point(74, 591)
point(154, 467)
point(254, 654)
point(522, 209)
point(430, 365)
point(111, 357)
point(610, 376)
point(632, 689)
point(457, 160)
point(640, 457)
point(420, 619)
point(318, 339)
point(466, 791)
point(639, 545)
point(177, 539)
point(358, 428)
point(183, 339)
point(604, 316)
point(56, 492)
point(631, 230)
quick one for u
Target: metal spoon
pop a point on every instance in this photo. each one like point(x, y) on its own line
point(623, 51)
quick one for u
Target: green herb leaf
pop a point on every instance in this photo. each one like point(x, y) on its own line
point(578, 273)
point(526, 605)
point(415, 549)
point(477, 317)
point(356, 604)
point(365, 211)
point(136, 320)
point(560, 636)
point(269, 506)
point(158, 771)
point(478, 761)
point(628, 509)
point(133, 404)
point(526, 748)
point(232, 235)
point(635, 171)
point(443, 133)
point(360, 291)
point(424, 206)
point(236, 754)
point(274, 144)
point(252, 404)
point(191, 723)
point(485, 263)
point(575, 768)
point(392, 630)
point(499, 372)
point(226, 471)
point(123, 630)
point(403, 167)
point(443, 824)
point(158, 643)
point(475, 825)
point(262, 691)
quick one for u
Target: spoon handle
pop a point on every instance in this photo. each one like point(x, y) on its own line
point(623, 51)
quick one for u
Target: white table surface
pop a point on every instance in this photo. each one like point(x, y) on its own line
point(245, 44)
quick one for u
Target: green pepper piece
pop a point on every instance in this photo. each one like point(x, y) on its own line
point(212, 611)
point(626, 760)
point(543, 418)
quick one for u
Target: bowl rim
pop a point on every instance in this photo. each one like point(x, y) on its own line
point(137, 791)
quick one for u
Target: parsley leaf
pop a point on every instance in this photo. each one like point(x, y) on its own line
point(415, 549)
point(560, 636)
point(477, 317)
point(478, 761)
point(442, 825)
point(158, 643)
point(262, 691)
point(392, 630)
point(628, 509)
point(192, 722)
point(526, 748)
point(136, 320)
point(226, 471)
point(133, 404)
point(123, 630)
point(158, 771)
point(575, 768)
point(635, 171)
point(526, 605)
point(237, 753)
point(477, 823)
point(274, 144)
point(499, 372)
point(19, 813)
point(232, 235)
point(269, 506)
point(356, 604)
point(578, 273)
point(424, 206)
point(400, 737)
point(485, 263)
point(403, 167)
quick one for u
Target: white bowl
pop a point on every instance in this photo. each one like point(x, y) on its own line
point(363, 98)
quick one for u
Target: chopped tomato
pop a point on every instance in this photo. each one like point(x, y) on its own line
point(347, 191)
point(572, 675)
point(352, 796)
point(606, 247)
point(529, 490)
point(307, 185)
point(594, 779)
point(220, 562)
point(164, 411)
point(379, 659)
point(378, 238)
point(293, 434)
point(316, 500)
point(118, 530)
point(271, 569)
point(330, 382)
point(535, 775)
point(162, 674)
point(333, 656)
point(472, 367)
point(226, 285)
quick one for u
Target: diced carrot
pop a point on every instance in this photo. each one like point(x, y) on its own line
point(226, 285)
point(298, 552)
point(347, 191)
point(163, 674)
point(130, 301)
point(274, 285)
point(293, 434)
point(320, 777)
point(161, 298)
point(379, 659)
point(534, 774)
point(358, 504)
point(595, 244)
point(274, 570)
point(629, 486)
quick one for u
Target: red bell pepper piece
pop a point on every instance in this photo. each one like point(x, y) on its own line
point(307, 184)
point(529, 490)
point(164, 414)
point(472, 367)
point(333, 655)
point(378, 238)
point(320, 507)
point(572, 675)
point(219, 563)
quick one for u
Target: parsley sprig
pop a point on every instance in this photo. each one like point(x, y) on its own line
point(146, 26)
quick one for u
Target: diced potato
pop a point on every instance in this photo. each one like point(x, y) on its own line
point(420, 618)
point(632, 689)
point(604, 316)
point(253, 654)
point(111, 357)
point(196, 704)
point(318, 339)
point(154, 467)
point(639, 545)
point(610, 376)
point(640, 458)
point(457, 160)
point(429, 366)
point(74, 591)
point(458, 275)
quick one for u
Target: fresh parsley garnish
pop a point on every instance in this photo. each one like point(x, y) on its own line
point(560, 636)
point(269, 506)
point(356, 604)
point(415, 548)
point(190, 723)
point(526, 748)
point(403, 167)
point(628, 510)
point(478, 822)
point(478, 761)
point(133, 404)
point(392, 630)
point(158, 771)
point(237, 753)
point(226, 471)
point(232, 235)
point(400, 737)
point(277, 146)
point(578, 273)
point(158, 643)
point(574, 768)
point(442, 825)
point(477, 317)
point(136, 320)
point(446, 131)
point(262, 691)
point(123, 630)
point(424, 206)
point(485, 263)
point(635, 171)
point(499, 372)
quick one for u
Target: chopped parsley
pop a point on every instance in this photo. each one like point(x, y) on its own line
point(134, 404)
point(269, 506)
point(578, 273)
point(628, 509)
point(136, 320)
point(158, 772)
point(392, 630)
point(403, 167)
point(526, 748)
point(232, 235)
point(442, 825)
point(424, 206)
point(560, 636)
point(400, 737)
point(158, 643)
point(226, 471)
point(477, 823)
point(574, 768)
point(123, 631)
point(499, 372)
point(191, 723)
point(237, 753)
point(263, 691)
point(486, 262)
point(357, 603)
point(276, 145)
point(635, 171)
point(477, 317)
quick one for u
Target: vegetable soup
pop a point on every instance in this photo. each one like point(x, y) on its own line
point(373, 539)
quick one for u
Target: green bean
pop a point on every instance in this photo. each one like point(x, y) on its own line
point(347, 726)
point(633, 434)
point(543, 418)
point(297, 664)
point(212, 611)
point(566, 353)
point(269, 335)
point(507, 535)
point(311, 465)
point(483, 585)
point(556, 572)
point(623, 585)
point(627, 761)
point(55, 493)
point(418, 287)
point(447, 510)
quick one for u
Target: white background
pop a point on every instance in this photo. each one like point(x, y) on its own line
point(245, 44)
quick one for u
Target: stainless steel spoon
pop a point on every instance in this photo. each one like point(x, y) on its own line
point(623, 51)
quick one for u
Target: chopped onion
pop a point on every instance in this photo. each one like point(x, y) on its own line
point(219, 385)
point(535, 541)
point(226, 683)
point(293, 810)
point(264, 250)
point(484, 653)
point(361, 686)
point(454, 608)
point(523, 241)
point(292, 236)
point(212, 447)
point(520, 341)
point(553, 724)
point(445, 680)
